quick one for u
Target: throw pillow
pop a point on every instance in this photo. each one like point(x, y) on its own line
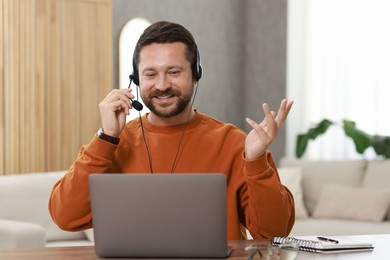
point(352, 203)
point(291, 177)
point(378, 176)
point(316, 174)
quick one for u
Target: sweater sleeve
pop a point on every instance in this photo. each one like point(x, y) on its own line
point(268, 206)
point(69, 202)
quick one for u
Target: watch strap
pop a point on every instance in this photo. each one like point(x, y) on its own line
point(108, 138)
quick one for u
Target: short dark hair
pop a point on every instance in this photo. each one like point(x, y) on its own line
point(166, 32)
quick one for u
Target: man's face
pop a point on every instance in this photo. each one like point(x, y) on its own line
point(165, 78)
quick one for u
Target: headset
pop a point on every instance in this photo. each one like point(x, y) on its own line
point(197, 71)
point(196, 68)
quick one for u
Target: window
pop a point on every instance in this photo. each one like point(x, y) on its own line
point(338, 63)
point(127, 41)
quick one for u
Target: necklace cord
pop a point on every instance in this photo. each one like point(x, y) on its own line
point(184, 129)
point(146, 143)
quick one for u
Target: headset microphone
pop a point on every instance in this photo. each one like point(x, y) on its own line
point(136, 104)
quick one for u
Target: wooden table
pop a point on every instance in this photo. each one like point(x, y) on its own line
point(380, 242)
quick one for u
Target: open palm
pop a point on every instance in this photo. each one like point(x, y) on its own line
point(262, 135)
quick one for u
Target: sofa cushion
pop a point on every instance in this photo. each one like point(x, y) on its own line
point(378, 176)
point(90, 235)
point(17, 234)
point(291, 177)
point(25, 197)
point(317, 174)
point(348, 202)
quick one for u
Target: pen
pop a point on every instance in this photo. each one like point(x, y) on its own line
point(328, 240)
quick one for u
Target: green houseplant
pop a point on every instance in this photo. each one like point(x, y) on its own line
point(362, 140)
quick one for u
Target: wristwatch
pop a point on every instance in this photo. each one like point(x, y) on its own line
point(108, 138)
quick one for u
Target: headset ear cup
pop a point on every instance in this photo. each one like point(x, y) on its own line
point(134, 75)
point(198, 70)
point(135, 79)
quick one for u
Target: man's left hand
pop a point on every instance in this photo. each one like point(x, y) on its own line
point(263, 134)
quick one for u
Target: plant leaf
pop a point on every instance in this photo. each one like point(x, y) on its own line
point(302, 141)
point(360, 138)
point(381, 145)
point(312, 133)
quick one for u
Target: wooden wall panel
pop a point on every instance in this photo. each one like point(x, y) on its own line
point(55, 68)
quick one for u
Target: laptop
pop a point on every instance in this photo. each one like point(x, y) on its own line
point(159, 215)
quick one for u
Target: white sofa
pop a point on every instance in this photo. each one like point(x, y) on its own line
point(24, 217)
point(339, 197)
point(331, 197)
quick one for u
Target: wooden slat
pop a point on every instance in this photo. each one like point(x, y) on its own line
point(23, 117)
point(53, 102)
point(70, 109)
point(27, 6)
point(7, 66)
point(7, 82)
point(2, 122)
point(15, 89)
point(12, 93)
point(38, 95)
point(30, 86)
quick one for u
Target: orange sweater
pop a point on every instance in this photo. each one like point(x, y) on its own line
point(255, 197)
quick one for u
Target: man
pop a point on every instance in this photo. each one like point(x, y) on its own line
point(175, 138)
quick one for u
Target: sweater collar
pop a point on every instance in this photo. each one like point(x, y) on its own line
point(175, 128)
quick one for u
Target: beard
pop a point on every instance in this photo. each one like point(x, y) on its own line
point(163, 111)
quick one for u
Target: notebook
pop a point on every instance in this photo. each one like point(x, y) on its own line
point(159, 215)
point(323, 244)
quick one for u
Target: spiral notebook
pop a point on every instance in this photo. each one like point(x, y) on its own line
point(323, 244)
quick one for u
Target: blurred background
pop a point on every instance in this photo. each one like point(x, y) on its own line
point(61, 57)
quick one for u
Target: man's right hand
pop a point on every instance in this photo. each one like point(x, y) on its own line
point(113, 110)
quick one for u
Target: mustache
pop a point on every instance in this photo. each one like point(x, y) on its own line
point(168, 92)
